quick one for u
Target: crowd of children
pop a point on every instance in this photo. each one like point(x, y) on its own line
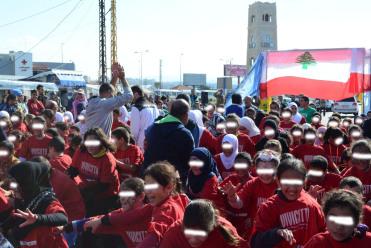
point(287, 179)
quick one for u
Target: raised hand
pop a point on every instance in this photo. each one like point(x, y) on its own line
point(92, 224)
point(287, 235)
point(315, 191)
point(29, 217)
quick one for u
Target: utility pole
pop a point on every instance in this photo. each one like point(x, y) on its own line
point(102, 43)
point(160, 73)
point(113, 33)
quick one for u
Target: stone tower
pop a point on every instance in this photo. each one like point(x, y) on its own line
point(262, 30)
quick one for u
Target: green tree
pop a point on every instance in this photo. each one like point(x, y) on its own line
point(305, 59)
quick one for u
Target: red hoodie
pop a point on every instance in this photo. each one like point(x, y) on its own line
point(306, 152)
point(253, 194)
point(365, 178)
point(131, 156)
point(131, 225)
point(334, 152)
point(325, 240)
point(61, 163)
point(331, 181)
point(303, 217)
point(45, 236)
point(175, 237)
point(163, 216)
point(33, 147)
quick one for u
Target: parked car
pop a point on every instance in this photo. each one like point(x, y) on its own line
point(346, 106)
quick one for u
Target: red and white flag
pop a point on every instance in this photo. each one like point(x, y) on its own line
point(326, 74)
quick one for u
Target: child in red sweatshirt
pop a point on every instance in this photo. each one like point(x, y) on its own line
point(202, 228)
point(57, 158)
point(256, 191)
point(343, 211)
point(291, 217)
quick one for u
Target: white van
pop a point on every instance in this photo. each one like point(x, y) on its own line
point(346, 106)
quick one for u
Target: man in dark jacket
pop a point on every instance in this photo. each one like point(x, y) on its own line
point(168, 139)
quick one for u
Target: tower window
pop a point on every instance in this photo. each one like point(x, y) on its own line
point(252, 60)
point(267, 18)
point(252, 18)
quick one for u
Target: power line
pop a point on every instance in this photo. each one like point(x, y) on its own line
point(33, 15)
point(48, 34)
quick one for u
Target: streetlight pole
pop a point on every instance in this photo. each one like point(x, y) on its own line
point(180, 68)
point(141, 64)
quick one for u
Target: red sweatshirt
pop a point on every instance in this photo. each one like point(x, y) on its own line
point(68, 194)
point(306, 152)
point(334, 152)
point(175, 237)
point(239, 217)
point(21, 127)
point(118, 123)
point(365, 178)
point(164, 215)
point(210, 192)
point(325, 240)
point(33, 147)
point(331, 181)
point(303, 217)
point(45, 236)
point(97, 170)
point(209, 141)
point(131, 156)
point(221, 168)
point(35, 107)
point(287, 125)
point(131, 225)
point(366, 219)
point(61, 163)
point(253, 194)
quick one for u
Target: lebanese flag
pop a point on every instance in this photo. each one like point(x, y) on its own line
point(326, 74)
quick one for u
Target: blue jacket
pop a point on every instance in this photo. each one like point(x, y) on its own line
point(234, 108)
point(168, 139)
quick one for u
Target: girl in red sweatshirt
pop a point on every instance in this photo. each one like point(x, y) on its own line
point(225, 160)
point(129, 157)
point(162, 187)
point(96, 166)
point(202, 227)
point(291, 217)
point(319, 180)
point(239, 217)
point(308, 150)
point(202, 181)
point(256, 191)
point(361, 166)
point(41, 212)
point(343, 210)
point(333, 144)
point(130, 222)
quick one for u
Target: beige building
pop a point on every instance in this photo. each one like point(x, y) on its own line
point(262, 30)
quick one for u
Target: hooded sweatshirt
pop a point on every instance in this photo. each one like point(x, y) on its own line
point(168, 139)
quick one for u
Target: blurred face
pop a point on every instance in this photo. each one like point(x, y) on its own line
point(316, 119)
point(195, 164)
point(291, 184)
point(315, 174)
point(294, 109)
point(227, 149)
point(303, 103)
point(310, 137)
point(155, 192)
point(361, 158)
point(195, 237)
point(127, 198)
point(34, 96)
point(266, 171)
point(248, 101)
point(297, 134)
point(340, 223)
point(232, 127)
point(92, 144)
point(275, 107)
point(38, 128)
point(269, 133)
point(4, 155)
point(41, 90)
point(286, 115)
point(52, 153)
point(241, 167)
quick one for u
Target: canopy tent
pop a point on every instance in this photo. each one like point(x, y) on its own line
point(26, 85)
point(62, 78)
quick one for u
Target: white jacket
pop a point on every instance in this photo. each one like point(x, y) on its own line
point(140, 121)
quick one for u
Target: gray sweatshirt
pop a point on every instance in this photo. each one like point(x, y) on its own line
point(99, 110)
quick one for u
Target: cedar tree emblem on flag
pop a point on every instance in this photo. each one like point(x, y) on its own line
point(305, 60)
